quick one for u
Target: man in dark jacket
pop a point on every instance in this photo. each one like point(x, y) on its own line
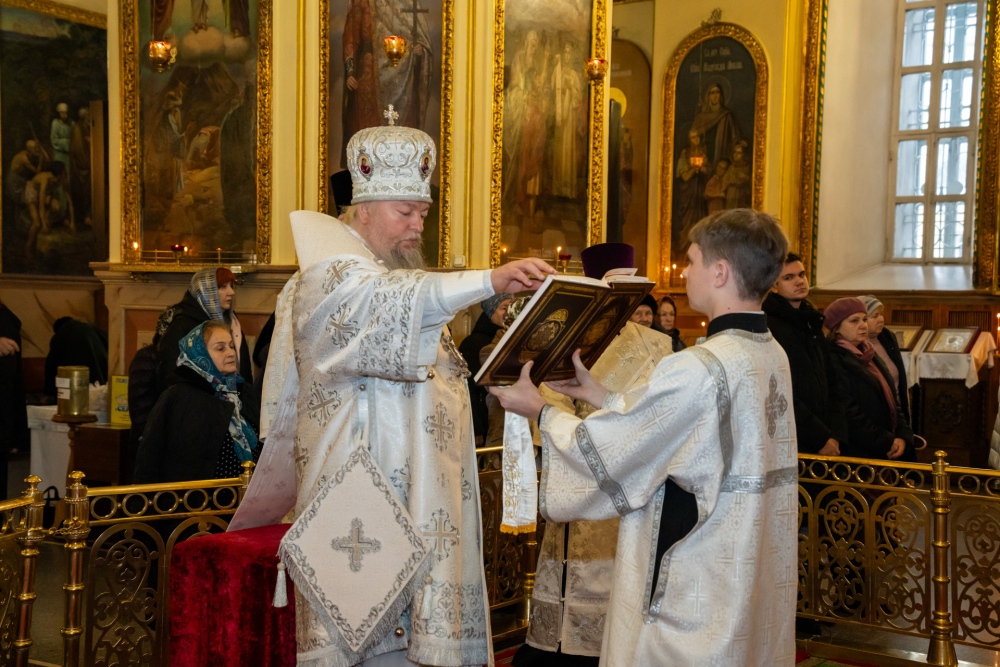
point(14, 432)
point(76, 343)
point(487, 326)
point(798, 327)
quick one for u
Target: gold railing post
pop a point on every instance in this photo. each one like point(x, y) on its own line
point(530, 561)
point(75, 529)
point(29, 553)
point(245, 477)
point(941, 651)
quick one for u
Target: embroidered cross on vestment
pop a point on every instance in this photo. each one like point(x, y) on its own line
point(356, 544)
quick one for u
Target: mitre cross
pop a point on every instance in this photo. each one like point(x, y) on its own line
point(391, 114)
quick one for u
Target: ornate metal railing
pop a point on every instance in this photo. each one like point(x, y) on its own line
point(20, 533)
point(903, 547)
point(509, 559)
point(126, 617)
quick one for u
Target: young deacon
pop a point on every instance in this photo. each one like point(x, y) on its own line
point(717, 420)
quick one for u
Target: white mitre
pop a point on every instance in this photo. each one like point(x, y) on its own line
point(391, 163)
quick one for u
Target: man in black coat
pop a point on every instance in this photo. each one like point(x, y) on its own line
point(14, 432)
point(820, 422)
point(487, 326)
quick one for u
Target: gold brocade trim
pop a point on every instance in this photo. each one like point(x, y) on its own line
point(811, 113)
point(518, 530)
point(60, 11)
point(447, 114)
point(598, 41)
point(599, 49)
point(984, 267)
point(130, 153)
point(744, 37)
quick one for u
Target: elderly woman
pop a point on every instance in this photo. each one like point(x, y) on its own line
point(876, 427)
point(667, 315)
point(887, 349)
point(202, 426)
point(210, 296)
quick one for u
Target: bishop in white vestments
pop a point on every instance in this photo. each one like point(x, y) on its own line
point(385, 550)
point(717, 420)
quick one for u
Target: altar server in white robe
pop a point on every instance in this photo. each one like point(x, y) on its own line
point(375, 372)
point(575, 566)
point(717, 420)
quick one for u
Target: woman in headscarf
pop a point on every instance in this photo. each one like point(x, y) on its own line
point(204, 426)
point(667, 316)
point(887, 349)
point(876, 427)
point(210, 296)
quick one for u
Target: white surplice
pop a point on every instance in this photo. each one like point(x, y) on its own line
point(375, 368)
point(717, 419)
point(574, 618)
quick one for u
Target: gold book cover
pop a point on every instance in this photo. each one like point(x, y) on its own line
point(566, 313)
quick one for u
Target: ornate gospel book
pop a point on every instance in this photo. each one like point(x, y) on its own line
point(566, 313)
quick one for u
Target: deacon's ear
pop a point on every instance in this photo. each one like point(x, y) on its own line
point(722, 274)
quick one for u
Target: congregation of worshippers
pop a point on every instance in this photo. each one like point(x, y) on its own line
point(406, 333)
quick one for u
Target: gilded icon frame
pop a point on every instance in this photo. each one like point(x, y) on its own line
point(59, 11)
point(445, 158)
point(129, 52)
point(598, 94)
point(705, 32)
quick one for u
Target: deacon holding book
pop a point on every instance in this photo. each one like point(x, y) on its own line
point(576, 560)
point(716, 419)
point(386, 549)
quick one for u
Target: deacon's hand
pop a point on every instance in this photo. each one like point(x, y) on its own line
point(583, 387)
point(520, 275)
point(522, 397)
point(8, 347)
point(898, 445)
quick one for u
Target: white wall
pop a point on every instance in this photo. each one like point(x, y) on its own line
point(854, 166)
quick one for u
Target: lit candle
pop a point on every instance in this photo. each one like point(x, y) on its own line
point(135, 246)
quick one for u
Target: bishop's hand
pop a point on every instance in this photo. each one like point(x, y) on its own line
point(522, 398)
point(583, 387)
point(520, 275)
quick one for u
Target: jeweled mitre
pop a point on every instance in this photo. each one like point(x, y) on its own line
point(391, 163)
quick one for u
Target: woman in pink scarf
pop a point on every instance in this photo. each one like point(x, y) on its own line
point(877, 428)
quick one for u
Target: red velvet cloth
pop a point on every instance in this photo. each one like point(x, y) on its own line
point(221, 591)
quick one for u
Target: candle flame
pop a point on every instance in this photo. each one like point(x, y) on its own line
point(702, 324)
point(135, 246)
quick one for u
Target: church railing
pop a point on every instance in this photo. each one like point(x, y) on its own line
point(127, 535)
point(905, 547)
point(509, 560)
point(20, 533)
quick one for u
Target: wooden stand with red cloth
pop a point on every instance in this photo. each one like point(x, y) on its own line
point(221, 594)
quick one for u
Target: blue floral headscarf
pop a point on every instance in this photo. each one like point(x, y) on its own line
point(194, 355)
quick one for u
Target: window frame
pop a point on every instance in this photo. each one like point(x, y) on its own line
point(934, 133)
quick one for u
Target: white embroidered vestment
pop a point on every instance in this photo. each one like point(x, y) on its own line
point(717, 419)
point(375, 368)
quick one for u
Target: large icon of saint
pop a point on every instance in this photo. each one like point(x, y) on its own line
point(715, 123)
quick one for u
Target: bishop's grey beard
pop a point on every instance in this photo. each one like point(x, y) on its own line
point(405, 259)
